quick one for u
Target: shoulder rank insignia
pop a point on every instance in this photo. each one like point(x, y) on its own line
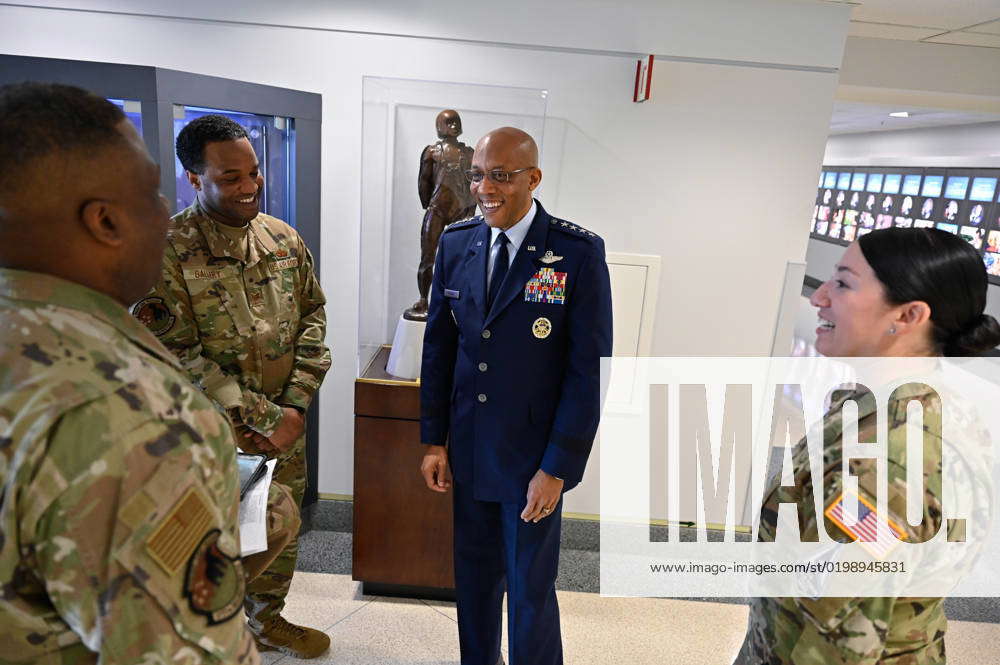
point(865, 525)
point(546, 286)
point(463, 224)
point(549, 257)
point(557, 223)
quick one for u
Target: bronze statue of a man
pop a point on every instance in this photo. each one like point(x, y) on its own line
point(445, 195)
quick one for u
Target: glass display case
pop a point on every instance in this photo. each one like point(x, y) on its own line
point(132, 110)
point(272, 138)
point(399, 122)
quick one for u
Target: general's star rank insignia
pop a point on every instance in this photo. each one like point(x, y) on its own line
point(541, 328)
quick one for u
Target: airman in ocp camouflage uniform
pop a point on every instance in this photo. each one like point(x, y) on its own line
point(854, 631)
point(118, 515)
point(247, 324)
point(241, 307)
point(119, 519)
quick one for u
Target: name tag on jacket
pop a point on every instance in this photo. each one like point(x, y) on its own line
point(285, 264)
point(205, 272)
point(451, 293)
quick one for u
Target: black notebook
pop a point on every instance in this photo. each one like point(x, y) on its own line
point(252, 468)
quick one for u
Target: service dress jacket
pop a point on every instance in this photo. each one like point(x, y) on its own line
point(518, 387)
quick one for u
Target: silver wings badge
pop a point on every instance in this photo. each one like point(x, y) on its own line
point(549, 257)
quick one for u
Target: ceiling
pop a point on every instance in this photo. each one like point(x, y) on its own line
point(854, 117)
point(963, 22)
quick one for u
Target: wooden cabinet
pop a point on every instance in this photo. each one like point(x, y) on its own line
point(402, 530)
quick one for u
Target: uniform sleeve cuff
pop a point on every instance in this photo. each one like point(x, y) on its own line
point(563, 464)
point(296, 396)
point(265, 418)
point(227, 393)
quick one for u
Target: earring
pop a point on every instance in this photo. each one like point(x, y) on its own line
point(892, 331)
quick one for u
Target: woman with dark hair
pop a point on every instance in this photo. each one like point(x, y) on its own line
point(895, 292)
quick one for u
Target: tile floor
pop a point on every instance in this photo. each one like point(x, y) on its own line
point(601, 631)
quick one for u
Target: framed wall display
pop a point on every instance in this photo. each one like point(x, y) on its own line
point(398, 123)
point(963, 201)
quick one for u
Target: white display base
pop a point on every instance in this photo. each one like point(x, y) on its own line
point(407, 349)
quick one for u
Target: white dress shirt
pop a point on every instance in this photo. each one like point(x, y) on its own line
point(515, 235)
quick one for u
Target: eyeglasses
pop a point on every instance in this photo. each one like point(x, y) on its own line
point(496, 175)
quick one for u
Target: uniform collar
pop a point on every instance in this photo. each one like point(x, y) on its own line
point(518, 232)
point(259, 243)
point(53, 291)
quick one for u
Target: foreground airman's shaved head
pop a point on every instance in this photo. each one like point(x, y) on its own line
point(79, 193)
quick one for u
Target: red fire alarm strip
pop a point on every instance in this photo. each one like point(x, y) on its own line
point(643, 79)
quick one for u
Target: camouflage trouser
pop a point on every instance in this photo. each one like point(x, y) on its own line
point(283, 524)
point(873, 631)
point(266, 595)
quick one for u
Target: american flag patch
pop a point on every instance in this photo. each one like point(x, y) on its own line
point(547, 286)
point(865, 525)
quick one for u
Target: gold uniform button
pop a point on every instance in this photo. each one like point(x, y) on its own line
point(482, 398)
point(483, 367)
point(486, 334)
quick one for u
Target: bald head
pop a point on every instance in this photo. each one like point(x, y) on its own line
point(505, 154)
point(516, 142)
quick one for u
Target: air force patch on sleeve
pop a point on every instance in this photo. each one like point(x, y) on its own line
point(154, 314)
point(214, 584)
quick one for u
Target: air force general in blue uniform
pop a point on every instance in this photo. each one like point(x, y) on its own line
point(512, 387)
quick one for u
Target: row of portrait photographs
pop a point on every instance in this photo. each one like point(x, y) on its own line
point(930, 208)
point(851, 203)
point(885, 220)
point(869, 221)
point(964, 184)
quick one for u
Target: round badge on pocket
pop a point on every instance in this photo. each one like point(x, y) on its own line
point(541, 328)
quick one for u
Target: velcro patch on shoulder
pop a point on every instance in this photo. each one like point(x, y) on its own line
point(153, 313)
point(137, 510)
point(175, 539)
point(865, 525)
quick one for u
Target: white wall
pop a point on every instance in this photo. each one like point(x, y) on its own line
point(645, 176)
point(797, 33)
point(959, 146)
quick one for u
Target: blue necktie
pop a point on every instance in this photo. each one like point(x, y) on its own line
point(499, 269)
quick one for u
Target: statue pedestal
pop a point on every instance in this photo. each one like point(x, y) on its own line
point(407, 349)
point(403, 539)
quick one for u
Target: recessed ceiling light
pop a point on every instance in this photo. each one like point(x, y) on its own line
point(899, 114)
